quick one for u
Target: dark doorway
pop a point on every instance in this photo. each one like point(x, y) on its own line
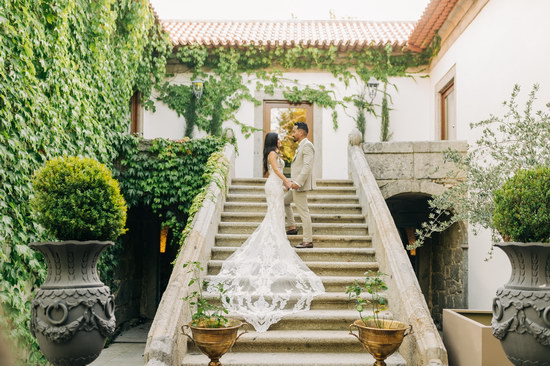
point(144, 271)
point(441, 263)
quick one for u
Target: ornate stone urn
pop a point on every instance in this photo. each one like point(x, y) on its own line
point(521, 309)
point(73, 312)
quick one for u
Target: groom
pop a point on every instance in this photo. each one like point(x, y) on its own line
point(302, 182)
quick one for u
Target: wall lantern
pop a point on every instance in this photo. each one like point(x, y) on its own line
point(198, 87)
point(372, 85)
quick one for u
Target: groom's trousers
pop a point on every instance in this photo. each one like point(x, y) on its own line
point(300, 200)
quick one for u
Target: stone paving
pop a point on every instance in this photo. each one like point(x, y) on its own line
point(127, 349)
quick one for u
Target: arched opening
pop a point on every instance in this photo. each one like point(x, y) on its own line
point(441, 263)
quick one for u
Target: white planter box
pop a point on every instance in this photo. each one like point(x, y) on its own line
point(469, 340)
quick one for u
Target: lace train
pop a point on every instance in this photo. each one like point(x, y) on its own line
point(265, 279)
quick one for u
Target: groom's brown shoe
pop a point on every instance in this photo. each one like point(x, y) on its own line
point(292, 232)
point(304, 245)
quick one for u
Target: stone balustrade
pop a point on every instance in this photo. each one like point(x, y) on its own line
point(407, 303)
point(166, 344)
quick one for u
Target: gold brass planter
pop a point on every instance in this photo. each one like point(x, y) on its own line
point(380, 342)
point(215, 342)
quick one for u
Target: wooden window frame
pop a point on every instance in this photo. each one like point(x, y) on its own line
point(134, 113)
point(444, 93)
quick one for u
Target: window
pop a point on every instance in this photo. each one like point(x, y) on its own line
point(135, 126)
point(447, 105)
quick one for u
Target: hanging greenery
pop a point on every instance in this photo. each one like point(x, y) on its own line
point(166, 175)
point(385, 133)
point(231, 74)
point(68, 69)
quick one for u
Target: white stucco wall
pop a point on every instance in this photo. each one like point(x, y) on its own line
point(505, 44)
point(410, 119)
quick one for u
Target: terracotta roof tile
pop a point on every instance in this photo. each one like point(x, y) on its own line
point(344, 34)
point(434, 16)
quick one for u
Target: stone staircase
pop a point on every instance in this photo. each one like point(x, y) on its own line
point(342, 254)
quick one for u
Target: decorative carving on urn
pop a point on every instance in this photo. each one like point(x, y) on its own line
point(73, 312)
point(521, 309)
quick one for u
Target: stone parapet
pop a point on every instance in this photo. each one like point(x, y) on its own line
point(166, 344)
point(413, 166)
point(406, 301)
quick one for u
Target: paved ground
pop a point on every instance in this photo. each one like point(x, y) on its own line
point(127, 349)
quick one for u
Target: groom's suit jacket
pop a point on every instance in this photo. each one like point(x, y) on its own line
point(302, 166)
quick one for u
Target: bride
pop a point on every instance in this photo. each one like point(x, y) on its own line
point(265, 279)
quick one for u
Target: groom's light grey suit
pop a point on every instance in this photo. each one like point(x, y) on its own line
point(301, 173)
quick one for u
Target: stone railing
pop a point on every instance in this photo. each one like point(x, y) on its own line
point(424, 347)
point(166, 344)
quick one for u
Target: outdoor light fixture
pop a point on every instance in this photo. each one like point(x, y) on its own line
point(372, 85)
point(198, 87)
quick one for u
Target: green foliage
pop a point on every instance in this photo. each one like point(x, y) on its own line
point(203, 313)
point(78, 199)
point(67, 71)
point(507, 144)
point(166, 176)
point(373, 285)
point(385, 133)
point(216, 171)
point(522, 206)
point(228, 72)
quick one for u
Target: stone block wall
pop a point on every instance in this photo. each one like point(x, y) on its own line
point(409, 174)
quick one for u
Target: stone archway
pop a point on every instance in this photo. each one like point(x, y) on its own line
point(441, 263)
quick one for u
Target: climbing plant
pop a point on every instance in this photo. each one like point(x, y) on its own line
point(385, 133)
point(166, 175)
point(68, 69)
point(231, 76)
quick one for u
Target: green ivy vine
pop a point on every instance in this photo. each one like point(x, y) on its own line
point(166, 175)
point(68, 69)
point(229, 74)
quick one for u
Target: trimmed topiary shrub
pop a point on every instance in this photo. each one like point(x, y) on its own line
point(522, 206)
point(78, 199)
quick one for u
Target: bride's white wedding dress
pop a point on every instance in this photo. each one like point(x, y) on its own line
point(265, 279)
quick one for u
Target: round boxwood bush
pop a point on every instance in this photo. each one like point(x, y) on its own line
point(522, 206)
point(78, 199)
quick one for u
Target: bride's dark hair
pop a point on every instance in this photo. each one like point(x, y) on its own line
point(270, 144)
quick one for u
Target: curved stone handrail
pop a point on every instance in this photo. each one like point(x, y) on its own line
point(407, 303)
point(166, 344)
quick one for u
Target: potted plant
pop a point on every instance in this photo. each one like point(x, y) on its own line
point(521, 308)
point(212, 332)
point(379, 335)
point(79, 204)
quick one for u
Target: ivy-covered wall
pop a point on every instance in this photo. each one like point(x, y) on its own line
point(68, 69)
point(237, 80)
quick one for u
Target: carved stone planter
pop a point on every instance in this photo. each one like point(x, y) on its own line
point(521, 309)
point(73, 312)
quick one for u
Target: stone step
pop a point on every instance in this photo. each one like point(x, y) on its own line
point(314, 208)
point(318, 228)
point(320, 268)
point(319, 319)
point(294, 359)
point(296, 341)
point(311, 198)
point(314, 254)
point(321, 190)
point(319, 218)
point(318, 183)
point(331, 283)
point(320, 241)
point(325, 301)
